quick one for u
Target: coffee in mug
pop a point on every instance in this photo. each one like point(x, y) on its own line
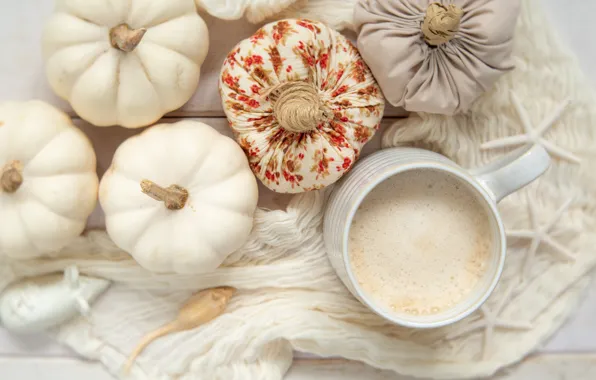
point(419, 239)
point(420, 242)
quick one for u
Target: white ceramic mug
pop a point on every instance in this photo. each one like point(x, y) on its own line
point(490, 183)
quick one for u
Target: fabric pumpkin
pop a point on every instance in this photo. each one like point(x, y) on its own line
point(436, 57)
point(301, 102)
point(48, 179)
point(179, 197)
point(122, 62)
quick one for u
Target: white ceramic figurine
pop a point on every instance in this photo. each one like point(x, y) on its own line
point(34, 305)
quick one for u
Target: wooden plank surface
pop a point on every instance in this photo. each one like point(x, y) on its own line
point(22, 66)
point(541, 367)
point(106, 140)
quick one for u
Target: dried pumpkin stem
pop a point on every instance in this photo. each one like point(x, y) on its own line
point(11, 176)
point(174, 196)
point(123, 37)
point(441, 23)
point(298, 107)
point(201, 308)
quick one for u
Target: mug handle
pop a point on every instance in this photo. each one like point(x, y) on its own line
point(513, 171)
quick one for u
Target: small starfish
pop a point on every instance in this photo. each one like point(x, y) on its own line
point(540, 234)
point(533, 135)
point(489, 321)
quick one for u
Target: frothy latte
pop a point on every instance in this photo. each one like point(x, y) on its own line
point(420, 242)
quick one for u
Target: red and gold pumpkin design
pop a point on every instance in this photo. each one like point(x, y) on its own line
point(302, 104)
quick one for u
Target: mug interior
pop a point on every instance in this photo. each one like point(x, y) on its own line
point(486, 283)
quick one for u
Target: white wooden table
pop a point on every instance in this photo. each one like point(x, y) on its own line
point(570, 354)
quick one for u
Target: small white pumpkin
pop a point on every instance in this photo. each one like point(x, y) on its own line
point(34, 305)
point(179, 197)
point(125, 63)
point(48, 181)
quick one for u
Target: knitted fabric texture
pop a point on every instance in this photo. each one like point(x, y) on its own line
point(290, 298)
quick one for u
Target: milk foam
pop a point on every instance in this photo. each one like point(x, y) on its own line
point(420, 242)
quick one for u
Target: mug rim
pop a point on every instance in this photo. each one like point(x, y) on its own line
point(488, 199)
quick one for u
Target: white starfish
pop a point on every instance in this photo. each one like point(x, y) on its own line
point(489, 321)
point(533, 135)
point(539, 234)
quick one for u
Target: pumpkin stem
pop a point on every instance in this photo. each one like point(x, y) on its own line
point(201, 308)
point(174, 196)
point(298, 107)
point(11, 176)
point(122, 37)
point(441, 23)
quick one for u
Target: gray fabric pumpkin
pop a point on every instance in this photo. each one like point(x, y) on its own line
point(436, 57)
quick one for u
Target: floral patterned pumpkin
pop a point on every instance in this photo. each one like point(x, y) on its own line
point(302, 104)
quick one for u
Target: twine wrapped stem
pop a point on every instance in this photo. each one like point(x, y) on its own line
point(298, 107)
point(441, 23)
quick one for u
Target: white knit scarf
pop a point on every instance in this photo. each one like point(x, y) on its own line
point(289, 297)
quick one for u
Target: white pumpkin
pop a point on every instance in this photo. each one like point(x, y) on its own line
point(254, 10)
point(36, 304)
point(179, 197)
point(125, 63)
point(48, 182)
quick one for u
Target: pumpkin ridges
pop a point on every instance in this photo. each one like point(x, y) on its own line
point(51, 206)
point(126, 39)
point(174, 196)
point(11, 177)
